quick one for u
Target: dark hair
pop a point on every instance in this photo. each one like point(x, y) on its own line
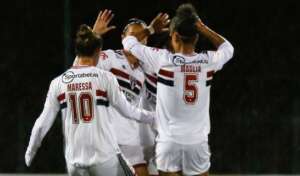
point(133, 21)
point(184, 23)
point(87, 41)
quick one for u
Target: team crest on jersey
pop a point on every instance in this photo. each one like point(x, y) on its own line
point(133, 82)
point(68, 77)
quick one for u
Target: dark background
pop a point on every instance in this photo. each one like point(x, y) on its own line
point(255, 99)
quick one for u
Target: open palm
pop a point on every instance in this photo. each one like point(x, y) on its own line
point(101, 25)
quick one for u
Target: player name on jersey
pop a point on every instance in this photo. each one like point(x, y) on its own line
point(190, 68)
point(80, 86)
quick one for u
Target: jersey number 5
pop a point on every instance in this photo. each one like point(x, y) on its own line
point(84, 106)
point(190, 94)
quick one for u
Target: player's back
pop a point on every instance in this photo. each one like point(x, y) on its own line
point(183, 97)
point(183, 88)
point(86, 122)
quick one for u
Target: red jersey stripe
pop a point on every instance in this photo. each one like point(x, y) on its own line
point(61, 97)
point(122, 74)
point(210, 74)
point(166, 73)
point(139, 83)
point(152, 78)
point(118, 72)
point(101, 93)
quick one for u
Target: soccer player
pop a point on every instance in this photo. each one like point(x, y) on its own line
point(85, 94)
point(183, 89)
point(131, 136)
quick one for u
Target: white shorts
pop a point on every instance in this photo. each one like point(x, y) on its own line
point(134, 154)
point(111, 167)
point(191, 159)
point(149, 152)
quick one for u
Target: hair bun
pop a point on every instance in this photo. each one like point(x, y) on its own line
point(184, 22)
point(186, 27)
point(186, 10)
point(87, 41)
point(84, 32)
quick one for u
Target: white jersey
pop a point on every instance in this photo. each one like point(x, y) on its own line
point(148, 102)
point(183, 89)
point(85, 95)
point(131, 83)
point(149, 96)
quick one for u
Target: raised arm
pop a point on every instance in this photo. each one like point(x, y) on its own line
point(101, 25)
point(211, 35)
point(42, 124)
point(148, 56)
point(224, 48)
point(118, 100)
point(158, 25)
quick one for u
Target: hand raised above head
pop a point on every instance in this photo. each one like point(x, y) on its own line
point(160, 22)
point(101, 25)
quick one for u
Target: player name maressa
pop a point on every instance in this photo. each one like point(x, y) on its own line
point(80, 86)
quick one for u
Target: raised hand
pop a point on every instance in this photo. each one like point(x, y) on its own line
point(101, 25)
point(160, 23)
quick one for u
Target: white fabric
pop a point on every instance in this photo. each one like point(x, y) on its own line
point(152, 57)
point(111, 167)
point(127, 131)
point(177, 120)
point(134, 154)
point(86, 143)
point(191, 159)
point(148, 102)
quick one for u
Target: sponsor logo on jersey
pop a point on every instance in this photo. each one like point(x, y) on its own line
point(69, 76)
point(179, 61)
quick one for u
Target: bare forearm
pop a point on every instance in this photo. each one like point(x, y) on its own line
point(215, 38)
point(158, 25)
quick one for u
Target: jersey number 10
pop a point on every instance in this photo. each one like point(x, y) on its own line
point(81, 107)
